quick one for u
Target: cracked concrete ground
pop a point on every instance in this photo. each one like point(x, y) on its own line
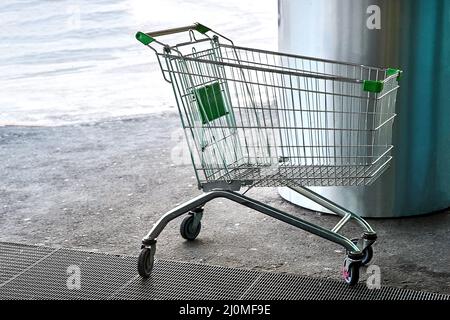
point(101, 186)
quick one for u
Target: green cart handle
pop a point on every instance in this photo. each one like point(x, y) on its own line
point(149, 37)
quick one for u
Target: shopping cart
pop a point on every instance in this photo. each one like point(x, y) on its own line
point(257, 118)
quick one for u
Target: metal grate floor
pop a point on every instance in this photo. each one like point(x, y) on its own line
point(35, 272)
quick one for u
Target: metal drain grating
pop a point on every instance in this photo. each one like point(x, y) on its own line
point(291, 287)
point(181, 280)
point(101, 276)
point(33, 272)
point(15, 258)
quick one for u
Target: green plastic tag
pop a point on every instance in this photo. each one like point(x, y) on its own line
point(210, 102)
point(201, 28)
point(144, 38)
point(391, 71)
point(373, 86)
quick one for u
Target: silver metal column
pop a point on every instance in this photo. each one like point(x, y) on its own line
point(414, 35)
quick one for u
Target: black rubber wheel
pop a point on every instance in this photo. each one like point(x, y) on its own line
point(186, 228)
point(145, 262)
point(368, 253)
point(350, 273)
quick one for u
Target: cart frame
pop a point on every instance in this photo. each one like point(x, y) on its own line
point(358, 251)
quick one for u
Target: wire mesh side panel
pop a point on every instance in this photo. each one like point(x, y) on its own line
point(206, 111)
point(251, 117)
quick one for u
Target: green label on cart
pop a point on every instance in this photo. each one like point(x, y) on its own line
point(373, 86)
point(144, 38)
point(201, 28)
point(210, 102)
point(391, 71)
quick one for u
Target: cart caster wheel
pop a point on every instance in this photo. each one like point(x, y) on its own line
point(146, 260)
point(187, 229)
point(368, 253)
point(350, 272)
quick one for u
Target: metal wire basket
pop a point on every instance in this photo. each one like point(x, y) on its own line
point(261, 118)
point(256, 117)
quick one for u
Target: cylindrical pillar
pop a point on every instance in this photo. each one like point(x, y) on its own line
point(412, 35)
